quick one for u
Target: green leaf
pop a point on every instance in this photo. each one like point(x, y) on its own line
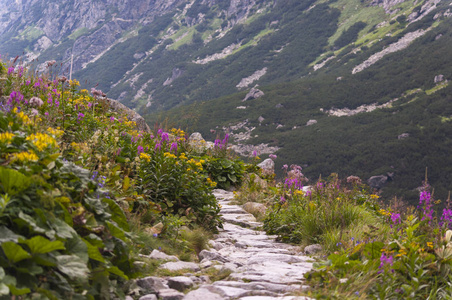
point(93, 252)
point(72, 266)
point(117, 214)
point(14, 252)
point(116, 271)
point(7, 235)
point(116, 231)
point(13, 181)
point(2, 273)
point(39, 244)
point(77, 247)
point(31, 222)
point(63, 230)
point(18, 292)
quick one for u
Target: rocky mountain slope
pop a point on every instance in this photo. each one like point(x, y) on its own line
point(348, 86)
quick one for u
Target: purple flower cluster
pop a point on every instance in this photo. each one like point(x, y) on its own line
point(222, 144)
point(385, 260)
point(425, 201)
point(293, 183)
point(446, 218)
point(15, 97)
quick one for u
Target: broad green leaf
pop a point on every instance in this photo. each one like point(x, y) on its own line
point(78, 247)
point(73, 266)
point(93, 252)
point(117, 214)
point(7, 235)
point(2, 273)
point(116, 271)
point(31, 222)
point(4, 290)
point(13, 181)
point(116, 231)
point(39, 244)
point(18, 292)
point(32, 269)
point(14, 252)
point(63, 230)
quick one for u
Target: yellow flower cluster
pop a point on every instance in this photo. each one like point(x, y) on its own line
point(25, 119)
point(55, 131)
point(299, 193)
point(182, 156)
point(74, 83)
point(24, 156)
point(198, 164)
point(373, 196)
point(384, 212)
point(170, 155)
point(6, 137)
point(402, 252)
point(128, 123)
point(42, 141)
point(145, 156)
point(178, 132)
point(212, 183)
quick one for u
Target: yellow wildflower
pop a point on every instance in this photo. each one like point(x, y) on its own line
point(402, 252)
point(74, 83)
point(6, 137)
point(42, 141)
point(55, 132)
point(298, 192)
point(384, 212)
point(373, 196)
point(145, 156)
point(182, 156)
point(430, 245)
point(24, 156)
point(170, 155)
point(212, 183)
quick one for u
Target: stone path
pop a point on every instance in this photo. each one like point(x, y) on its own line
point(259, 267)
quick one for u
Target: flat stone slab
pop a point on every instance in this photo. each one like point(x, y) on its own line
point(202, 294)
point(180, 265)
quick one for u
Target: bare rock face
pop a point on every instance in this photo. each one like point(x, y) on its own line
point(267, 166)
point(378, 182)
point(254, 93)
point(131, 114)
point(176, 74)
point(439, 78)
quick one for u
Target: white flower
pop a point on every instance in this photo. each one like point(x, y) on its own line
point(35, 101)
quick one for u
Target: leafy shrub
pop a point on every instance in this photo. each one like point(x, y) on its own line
point(225, 172)
point(61, 237)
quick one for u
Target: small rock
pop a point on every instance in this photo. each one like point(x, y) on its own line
point(155, 254)
point(260, 119)
point(377, 182)
point(255, 208)
point(151, 284)
point(279, 105)
point(313, 249)
point(311, 122)
point(267, 166)
point(240, 245)
point(439, 78)
point(209, 255)
point(147, 297)
point(180, 283)
point(129, 298)
point(403, 136)
point(170, 294)
point(202, 294)
point(180, 265)
point(254, 93)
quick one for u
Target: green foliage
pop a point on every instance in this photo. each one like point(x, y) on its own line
point(225, 172)
point(350, 35)
point(312, 217)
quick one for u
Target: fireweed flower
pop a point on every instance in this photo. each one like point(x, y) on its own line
point(446, 218)
point(80, 116)
point(272, 156)
point(10, 70)
point(111, 118)
point(385, 260)
point(173, 148)
point(282, 200)
point(165, 137)
point(396, 219)
point(15, 97)
point(254, 153)
point(139, 149)
point(425, 201)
